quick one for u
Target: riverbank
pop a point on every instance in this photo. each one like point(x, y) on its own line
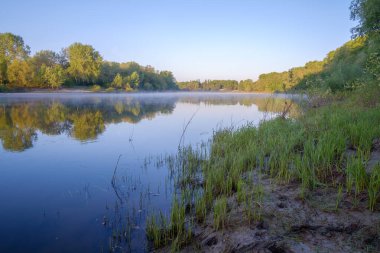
point(98, 89)
point(309, 184)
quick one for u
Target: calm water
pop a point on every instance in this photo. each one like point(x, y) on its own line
point(58, 155)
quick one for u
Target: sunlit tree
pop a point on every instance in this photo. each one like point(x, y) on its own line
point(20, 73)
point(118, 81)
point(54, 76)
point(84, 63)
point(12, 47)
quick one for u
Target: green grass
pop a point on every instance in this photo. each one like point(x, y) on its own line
point(201, 209)
point(309, 150)
point(258, 193)
point(157, 231)
point(220, 213)
point(241, 191)
point(339, 196)
point(356, 175)
point(374, 187)
point(162, 231)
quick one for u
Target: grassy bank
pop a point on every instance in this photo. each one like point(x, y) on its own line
point(331, 147)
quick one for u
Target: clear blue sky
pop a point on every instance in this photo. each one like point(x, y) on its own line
point(195, 39)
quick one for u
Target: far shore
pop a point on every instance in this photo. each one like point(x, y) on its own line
point(90, 90)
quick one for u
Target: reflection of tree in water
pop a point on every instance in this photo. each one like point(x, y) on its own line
point(268, 103)
point(18, 139)
point(87, 125)
point(20, 120)
point(15, 134)
point(86, 118)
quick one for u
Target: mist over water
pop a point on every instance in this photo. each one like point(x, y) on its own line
point(77, 168)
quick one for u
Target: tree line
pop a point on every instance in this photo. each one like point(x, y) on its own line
point(76, 65)
point(270, 82)
point(355, 64)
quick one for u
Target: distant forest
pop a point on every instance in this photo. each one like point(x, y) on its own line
point(354, 64)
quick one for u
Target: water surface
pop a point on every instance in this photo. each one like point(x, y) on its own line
point(59, 152)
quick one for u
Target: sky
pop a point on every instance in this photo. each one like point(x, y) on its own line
point(195, 39)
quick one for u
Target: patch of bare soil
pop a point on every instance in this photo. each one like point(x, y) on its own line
point(292, 224)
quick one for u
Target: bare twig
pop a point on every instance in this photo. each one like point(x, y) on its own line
point(114, 172)
point(286, 109)
point(114, 180)
point(184, 130)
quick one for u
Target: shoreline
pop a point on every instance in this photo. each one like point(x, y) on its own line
point(311, 184)
point(89, 90)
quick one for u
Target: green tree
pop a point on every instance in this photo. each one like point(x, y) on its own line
point(367, 12)
point(117, 81)
point(45, 57)
point(54, 76)
point(84, 63)
point(48, 69)
point(168, 79)
point(134, 80)
point(20, 73)
point(12, 47)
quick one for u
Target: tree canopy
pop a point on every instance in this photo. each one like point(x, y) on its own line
point(78, 64)
point(84, 63)
point(367, 12)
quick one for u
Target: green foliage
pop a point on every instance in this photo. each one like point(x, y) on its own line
point(355, 64)
point(190, 85)
point(134, 80)
point(46, 57)
point(209, 85)
point(78, 64)
point(117, 81)
point(367, 12)
point(84, 63)
point(12, 48)
point(48, 69)
point(136, 77)
point(19, 74)
point(267, 82)
point(54, 76)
